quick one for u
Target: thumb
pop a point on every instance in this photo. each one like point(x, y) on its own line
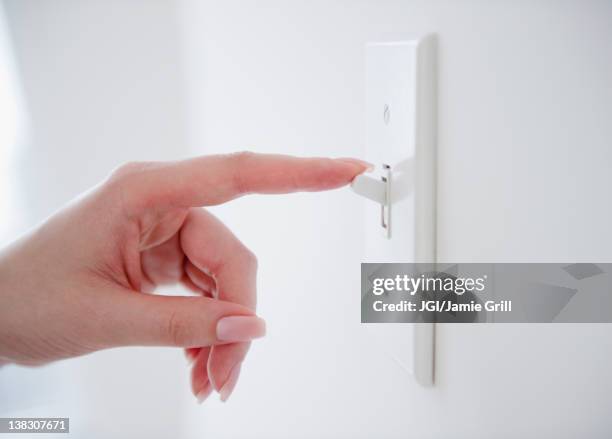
point(153, 320)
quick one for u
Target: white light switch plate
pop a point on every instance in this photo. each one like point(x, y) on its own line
point(400, 132)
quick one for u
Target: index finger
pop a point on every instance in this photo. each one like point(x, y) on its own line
point(215, 179)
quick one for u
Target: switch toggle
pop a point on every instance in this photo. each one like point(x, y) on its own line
point(379, 191)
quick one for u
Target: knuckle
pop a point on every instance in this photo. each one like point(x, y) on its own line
point(122, 181)
point(126, 174)
point(241, 157)
point(128, 169)
point(239, 162)
point(177, 330)
point(250, 258)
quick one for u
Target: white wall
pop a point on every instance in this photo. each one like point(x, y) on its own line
point(524, 158)
point(524, 153)
point(102, 85)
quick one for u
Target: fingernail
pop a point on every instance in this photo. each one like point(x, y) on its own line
point(230, 383)
point(204, 393)
point(366, 165)
point(240, 328)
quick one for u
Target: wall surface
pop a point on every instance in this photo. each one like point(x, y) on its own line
point(524, 158)
point(102, 85)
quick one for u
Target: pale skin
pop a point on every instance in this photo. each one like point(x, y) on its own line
point(89, 277)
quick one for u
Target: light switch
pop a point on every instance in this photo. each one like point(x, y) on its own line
point(400, 139)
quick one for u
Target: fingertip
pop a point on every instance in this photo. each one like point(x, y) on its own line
point(222, 360)
point(338, 172)
point(227, 388)
point(351, 168)
point(203, 394)
point(201, 386)
point(360, 165)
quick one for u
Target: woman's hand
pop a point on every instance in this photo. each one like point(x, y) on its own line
point(74, 285)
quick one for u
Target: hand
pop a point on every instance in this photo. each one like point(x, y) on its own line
point(74, 285)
